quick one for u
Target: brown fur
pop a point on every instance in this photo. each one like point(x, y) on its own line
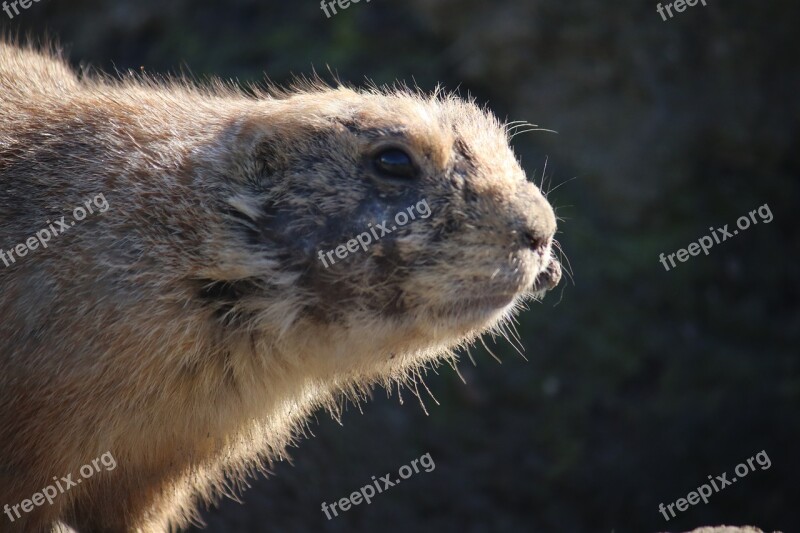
point(191, 328)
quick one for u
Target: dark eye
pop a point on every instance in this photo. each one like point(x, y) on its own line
point(395, 163)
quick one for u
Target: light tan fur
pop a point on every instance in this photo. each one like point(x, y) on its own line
point(191, 329)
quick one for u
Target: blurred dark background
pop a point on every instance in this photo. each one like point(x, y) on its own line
point(639, 382)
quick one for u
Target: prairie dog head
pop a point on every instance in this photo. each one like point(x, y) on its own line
point(393, 222)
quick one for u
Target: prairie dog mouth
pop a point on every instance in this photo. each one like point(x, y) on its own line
point(486, 303)
point(548, 278)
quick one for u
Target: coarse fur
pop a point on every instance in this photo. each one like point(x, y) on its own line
point(192, 328)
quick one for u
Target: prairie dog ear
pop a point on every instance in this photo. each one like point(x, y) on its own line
point(255, 149)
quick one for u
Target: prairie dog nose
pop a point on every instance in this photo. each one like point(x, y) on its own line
point(538, 221)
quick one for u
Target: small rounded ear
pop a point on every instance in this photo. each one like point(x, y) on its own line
point(252, 150)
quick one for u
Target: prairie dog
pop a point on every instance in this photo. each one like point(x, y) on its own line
point(191, 326)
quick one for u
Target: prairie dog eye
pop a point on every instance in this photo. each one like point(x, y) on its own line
point(395, 163)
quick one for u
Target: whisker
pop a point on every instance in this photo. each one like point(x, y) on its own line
point(490, 352)
point(562, 183)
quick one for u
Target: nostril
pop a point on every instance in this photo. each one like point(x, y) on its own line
point(535, 242)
